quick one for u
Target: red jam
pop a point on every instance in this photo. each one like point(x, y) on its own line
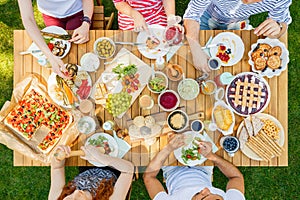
point(168, 100)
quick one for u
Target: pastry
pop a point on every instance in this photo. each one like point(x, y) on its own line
point(257, 54)
point(247, 94)
point(139, 121)
point(149, 121)
point(222, 117)
point(265, 48)
point(274, 62)
point(260, 63)
point(277, 51)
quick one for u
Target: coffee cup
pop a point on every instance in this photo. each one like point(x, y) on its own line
point(214, 63)
point(197, 126)
point(230, 144)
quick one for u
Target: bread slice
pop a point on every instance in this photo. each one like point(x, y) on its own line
point(257, 124)
point(243, 137)
point(249, 126)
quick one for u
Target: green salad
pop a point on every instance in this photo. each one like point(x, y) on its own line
point(157, 84)
point(192, 153)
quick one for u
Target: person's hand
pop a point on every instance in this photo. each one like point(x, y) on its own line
point(206, 148)
point(139, 22)
point(175, 141)
point(268, 28)
point(58, 66)
point(93, 154)
point(55, 163)
point(81, 34)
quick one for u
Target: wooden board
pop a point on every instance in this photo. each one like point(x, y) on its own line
point(140, 154)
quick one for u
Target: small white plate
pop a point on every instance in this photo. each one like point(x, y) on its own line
point(86, 125)
point(204, 137)
point(51, 29)
point(284, 57)
point(246, 150)
point(161, 50)
point(232, 41)
point(111, 142)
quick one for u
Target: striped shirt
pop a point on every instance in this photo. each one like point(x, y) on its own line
point(152, 11)
point(229, 11)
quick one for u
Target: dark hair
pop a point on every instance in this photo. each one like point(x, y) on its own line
point(103, 192)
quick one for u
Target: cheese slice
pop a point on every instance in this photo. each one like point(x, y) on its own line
point(257, 124)
point(248, 126)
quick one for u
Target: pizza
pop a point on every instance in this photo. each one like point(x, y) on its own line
point(34, 111)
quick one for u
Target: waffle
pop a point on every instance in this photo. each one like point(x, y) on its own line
point(247, 94)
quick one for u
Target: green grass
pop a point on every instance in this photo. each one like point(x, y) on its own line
point(264, 183)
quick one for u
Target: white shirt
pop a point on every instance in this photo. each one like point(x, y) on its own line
point(183, 183)
point(59, 8)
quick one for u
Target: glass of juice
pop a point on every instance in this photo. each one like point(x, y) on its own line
point(208, 87)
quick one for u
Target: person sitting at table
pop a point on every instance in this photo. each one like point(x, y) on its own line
point(68, 14)
point(234, 14)
point(95, 183)
point(192, 182)
point(137, 15)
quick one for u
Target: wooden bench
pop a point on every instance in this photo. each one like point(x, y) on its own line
point(99, 21)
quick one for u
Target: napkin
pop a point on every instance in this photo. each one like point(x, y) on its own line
point(207, 51)
point(123, 146)
point(172, 51)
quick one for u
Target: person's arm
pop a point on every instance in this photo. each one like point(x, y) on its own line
point(236, 179)
point(33, 31)
point(139, 21)
point(125, 167)
point(152, 184)
point(200, 58)
point(58, 174)
point(169, 6)
point(81, 34)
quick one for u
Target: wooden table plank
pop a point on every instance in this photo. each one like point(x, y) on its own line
point(140, 154)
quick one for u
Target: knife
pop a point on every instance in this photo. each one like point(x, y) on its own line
point(130, 43)
point(55, 35)
point(28, 52)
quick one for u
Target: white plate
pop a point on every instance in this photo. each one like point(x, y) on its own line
point(232, 41)
point(284, 57)
point(52, 82)
point(246, 150)
point(160, 50)
point(124, 57)
point(111, 142)
point(51, 29)
point(239, 109)
point(203, 137)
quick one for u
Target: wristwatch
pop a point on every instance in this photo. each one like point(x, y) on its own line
point(86, 19)
point(280, 25)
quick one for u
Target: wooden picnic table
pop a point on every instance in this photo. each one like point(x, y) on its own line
point(141, 154)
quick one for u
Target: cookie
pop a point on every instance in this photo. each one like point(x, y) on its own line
point(265, 48)
point(260, 63)
point(274, 62)
point(257, 54)
point(275, 51)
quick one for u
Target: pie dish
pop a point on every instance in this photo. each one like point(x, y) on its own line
point(248, 93)
point(35, 111)
point(269, 57)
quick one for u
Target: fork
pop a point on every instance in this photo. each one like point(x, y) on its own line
point(213, 45)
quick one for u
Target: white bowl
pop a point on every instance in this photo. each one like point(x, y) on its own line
point(168, 109)
point(86, 125)
point(187, 87)
point(185, 125)
point(158, 74)
point(100, 40)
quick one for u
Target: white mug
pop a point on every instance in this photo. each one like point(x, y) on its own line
point(197, 126)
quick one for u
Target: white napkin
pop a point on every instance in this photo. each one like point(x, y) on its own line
point(123, 146)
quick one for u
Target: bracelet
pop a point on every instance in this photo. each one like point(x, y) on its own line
point(86, 19)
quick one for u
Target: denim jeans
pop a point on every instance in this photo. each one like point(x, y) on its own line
point(208, 23)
